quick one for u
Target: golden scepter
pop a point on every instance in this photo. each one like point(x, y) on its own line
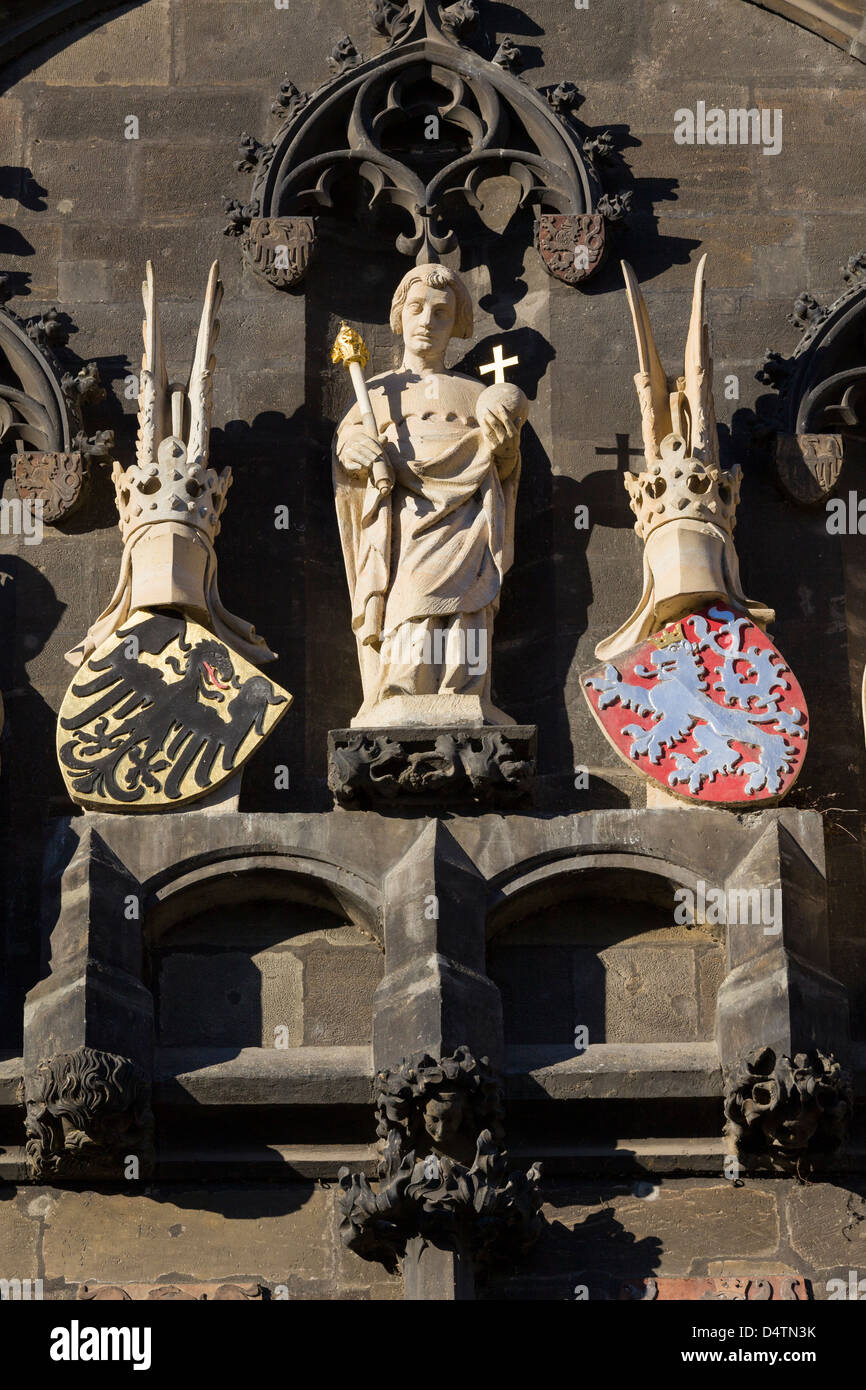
point(350, 349)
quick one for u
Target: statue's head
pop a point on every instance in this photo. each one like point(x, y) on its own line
point(445, 1113)
point(431, 305)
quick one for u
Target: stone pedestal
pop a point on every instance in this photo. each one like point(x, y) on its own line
point(483, 766)
point(438, 1275)
point(88, 1027)
point(779, 992)
point(435, 995)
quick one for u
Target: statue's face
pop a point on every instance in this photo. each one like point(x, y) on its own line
point(428, 321)
point(444, 1115)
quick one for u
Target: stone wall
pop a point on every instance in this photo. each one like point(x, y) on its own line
point(280, 1240)
point(84, 208)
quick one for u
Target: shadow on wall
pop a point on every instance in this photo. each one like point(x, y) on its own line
point(29, 614)
point(595, 1259)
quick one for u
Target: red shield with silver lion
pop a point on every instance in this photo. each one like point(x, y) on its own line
point(707, 707)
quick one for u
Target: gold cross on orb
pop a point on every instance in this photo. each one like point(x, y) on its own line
point(498, 365)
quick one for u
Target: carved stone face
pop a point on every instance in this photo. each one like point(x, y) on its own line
point(444, 1115)
point(428, 322)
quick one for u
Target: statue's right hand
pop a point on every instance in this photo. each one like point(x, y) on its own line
point(360, 454)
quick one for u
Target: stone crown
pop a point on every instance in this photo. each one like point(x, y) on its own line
point(175, 488)
point(676, 487)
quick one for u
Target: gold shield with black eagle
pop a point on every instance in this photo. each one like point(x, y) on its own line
point(161, 714)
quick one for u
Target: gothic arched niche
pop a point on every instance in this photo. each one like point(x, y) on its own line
point(566, 958)
point(818, 415)
point(263, 972)
point(419, 128)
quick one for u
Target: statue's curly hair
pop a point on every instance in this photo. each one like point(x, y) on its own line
point(91, 1090)
point(440, 278)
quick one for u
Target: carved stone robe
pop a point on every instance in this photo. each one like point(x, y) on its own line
point(436, 550)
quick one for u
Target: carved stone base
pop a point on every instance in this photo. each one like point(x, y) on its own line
point(490, 766)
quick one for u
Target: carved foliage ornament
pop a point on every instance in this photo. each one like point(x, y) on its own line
point(439, 1178)
point(819, 410)
point(41, 412)
point(489, 768)
point(422, 124)
point(787, 1107)
point(86, 1112)
point(483, 1207)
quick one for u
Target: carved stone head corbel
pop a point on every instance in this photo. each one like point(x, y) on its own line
point(87, 1111)
point(439, 1106)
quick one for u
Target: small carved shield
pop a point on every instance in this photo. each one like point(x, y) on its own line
point(162, 713)
point(707, 708)
point(572, 245)
point(280, 248)
point(808, 466)
point(58, 480)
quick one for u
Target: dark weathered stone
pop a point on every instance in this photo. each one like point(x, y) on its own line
point(808, 465)
point(247, 1131)
point(789, 1108)
point(95, 1009)
point(435, 996)
point(479, 1211)
point(486, 767)
point(88, 1113)
point(365, 95)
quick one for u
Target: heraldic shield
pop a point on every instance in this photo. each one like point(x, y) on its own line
point(162, 713)
point(708, 708)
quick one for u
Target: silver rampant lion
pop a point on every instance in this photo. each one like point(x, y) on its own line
point(678, 702)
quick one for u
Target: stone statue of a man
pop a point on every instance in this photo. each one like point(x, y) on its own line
point(426, 516)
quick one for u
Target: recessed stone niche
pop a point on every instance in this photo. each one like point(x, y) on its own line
point(633, 977)
point(247, 974)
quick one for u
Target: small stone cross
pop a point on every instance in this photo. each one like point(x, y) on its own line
point(498, 365)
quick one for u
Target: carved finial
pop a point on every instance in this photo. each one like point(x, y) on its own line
point(391, 18)
point(84, 386)
point(854, 269)
point(343, 55)
point(564, 98)
point(250, 152)
point(289, 101)
point(776, 371)
point(458, 19)
point(508, 56)
point(50, 329)
point(240, 215)
point(807, 311)
point(615, 206)
point(600, 148)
